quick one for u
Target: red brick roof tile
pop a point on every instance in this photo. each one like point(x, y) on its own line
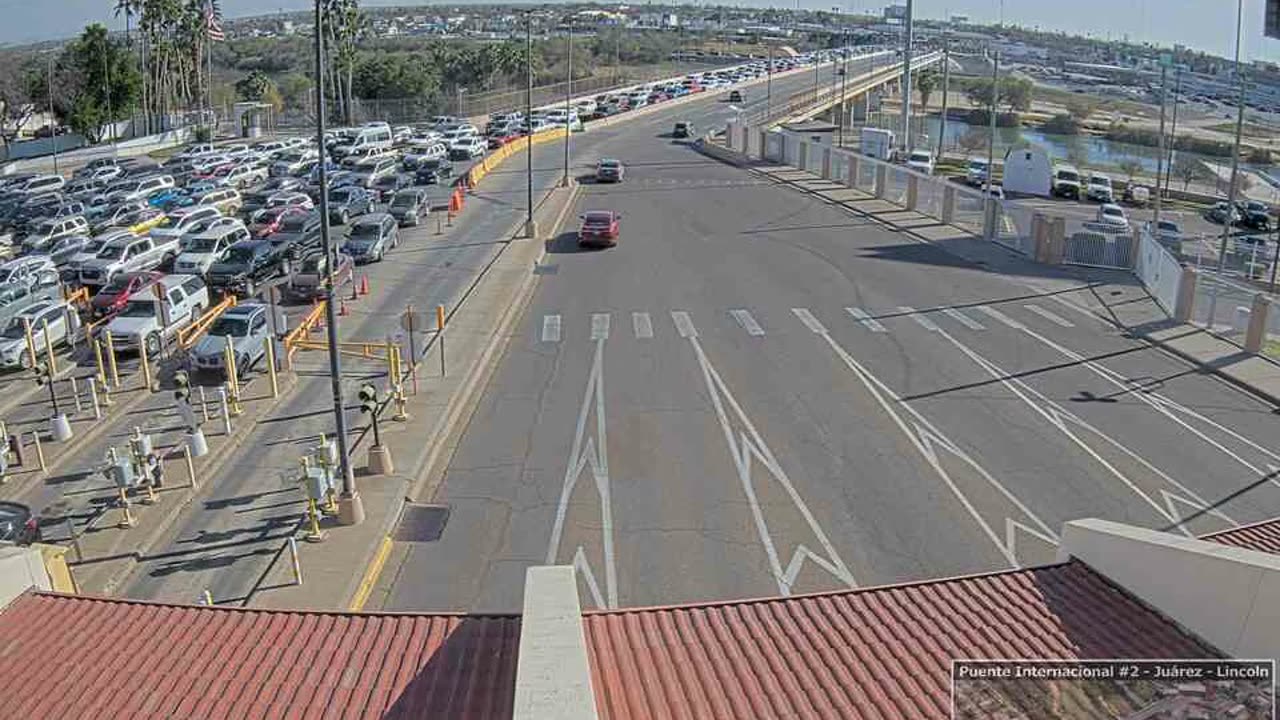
point(1263, 536)
point(76, 657)
point(873, 653)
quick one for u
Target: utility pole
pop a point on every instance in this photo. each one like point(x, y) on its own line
point(907, 39)
point(529, 229)
point(350, 507)
point(1164, 102)
point(53, 122)
point(568, 106)
point(844, 77)
point(768, 86)
point(1173, 131)
point(946, 88)
point(988, 203)
point(1235, 171)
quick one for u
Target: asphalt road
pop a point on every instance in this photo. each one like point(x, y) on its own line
point(757, 393)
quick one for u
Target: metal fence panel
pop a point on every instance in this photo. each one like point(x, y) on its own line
point(1098, 249)
point(1159, 271)
point(1014, 225)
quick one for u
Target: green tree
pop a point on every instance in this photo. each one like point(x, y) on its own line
point(926, 83)
point(295, 90)
point(254, 86)
point(385, 76)
point(95, 82)
point(1062, 124)
point(17, 104)
point(1081, 107)
point(1130, 167)
point(972, 141)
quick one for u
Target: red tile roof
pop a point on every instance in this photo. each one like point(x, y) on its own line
point(874, 653)
point(1263, 536)
point(73, 657)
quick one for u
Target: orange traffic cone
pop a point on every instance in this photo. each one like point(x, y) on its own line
point(364, 284)
point(342, 307)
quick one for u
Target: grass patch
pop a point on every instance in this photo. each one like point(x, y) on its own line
point(1252, 130)
point(1272, 348)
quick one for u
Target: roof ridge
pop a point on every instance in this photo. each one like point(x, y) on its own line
point(290, 611)
point(830, 593)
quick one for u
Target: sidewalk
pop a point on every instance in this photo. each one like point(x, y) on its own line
point(1117, 295)
point(340, 571)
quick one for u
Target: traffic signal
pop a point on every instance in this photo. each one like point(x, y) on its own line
point(182, 386)
point(368, 398)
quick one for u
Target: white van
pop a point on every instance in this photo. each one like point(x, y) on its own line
point(373, 136)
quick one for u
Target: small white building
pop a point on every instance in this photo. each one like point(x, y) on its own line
point(1028, 170)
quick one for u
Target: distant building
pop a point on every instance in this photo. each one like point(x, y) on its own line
point(895, 13)
point(959, 19)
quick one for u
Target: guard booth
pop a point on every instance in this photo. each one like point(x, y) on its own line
point(253, 119)
point(808, 144)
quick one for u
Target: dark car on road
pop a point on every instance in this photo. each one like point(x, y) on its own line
point(298, 234)
point(609, 170)
point(309, 278)
point(347, 202)
point(682, 130)
point(245, 266)
point(387, 186)
point(371, 237)
point(410, 206)
point(433, 172)
point(1254, 215)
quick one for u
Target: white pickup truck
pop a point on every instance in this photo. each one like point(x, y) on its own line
point(128, 254)
point(156, 316)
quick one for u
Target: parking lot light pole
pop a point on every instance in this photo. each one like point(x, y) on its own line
point(529, 229)
point(568, 100)
point(350, 507)
point(1235, 172)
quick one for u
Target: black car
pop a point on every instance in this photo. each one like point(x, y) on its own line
point(17, 524)
point(297, 234)
point(347, 202)
point(386, 186)
point(682, 130)
point(433, 172)
point(1254, 215)
point(245, 265)
point(256, 198)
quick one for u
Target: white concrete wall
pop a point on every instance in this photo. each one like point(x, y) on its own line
point(553, 673)
point(1228, 596)
point(20, 568)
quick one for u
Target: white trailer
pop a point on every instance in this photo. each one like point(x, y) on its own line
point(1028, 171)
point(877, 143)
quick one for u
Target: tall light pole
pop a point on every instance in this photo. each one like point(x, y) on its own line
point(1173, 130)
point(1164, 103)
point(907, 41)
point(568, 106)
point(1235, 170)
point(350, 507)
point(53, 122)
point(946, 88)
point(530, 230)
point(991, 148)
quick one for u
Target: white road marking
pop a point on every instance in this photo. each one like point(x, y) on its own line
point(1049, 315)
point(599, 326)
point(963, 319)
point(992, 312)
point(642, 324)
point(550, 328)
point(1061, 418)
point(747, 447)
point(684, 325)
point(595, 454)
point(809, 320)
point(747, 322)
point(928, 440)
point(867, 321)
point(924, 320)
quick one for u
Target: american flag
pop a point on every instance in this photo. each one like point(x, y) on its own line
point(212, 23)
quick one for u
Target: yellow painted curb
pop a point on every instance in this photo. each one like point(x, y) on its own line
point(371, 574)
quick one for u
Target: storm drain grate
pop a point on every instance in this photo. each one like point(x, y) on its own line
point(421, 523)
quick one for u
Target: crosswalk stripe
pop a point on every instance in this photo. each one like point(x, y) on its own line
point(1002, 317)
point(924, 320)
point(809, 320)
point(550, 328)
point(963, 319)
point(599, 326)
point(1049, 315)
point(747, 322)
point(684, 325)
point(867, 321)
point(642, 324)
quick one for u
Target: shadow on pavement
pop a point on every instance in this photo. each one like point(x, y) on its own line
point(566, 243)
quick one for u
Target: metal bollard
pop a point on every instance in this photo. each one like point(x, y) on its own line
point(233, 377)
point(191, 465)
point(48, 349)
point(97, 357)
point(204, 404)
point(75, 541)
point(35, 434)
point(111, 362)
point(128, 520)
point(93, 397)
point(75, 394)
point(297, 563)
point(226, 410)
point(146, 364)
point(206, 598)
point(270, 347)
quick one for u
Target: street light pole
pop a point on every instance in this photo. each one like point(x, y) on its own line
point(568, 100)
point(1164, 103)
point(1235, 171)
point(989, 203)
point(946, 88)
point(53, 123)
point(907, 42)
point(529, 229)
point(350, 507)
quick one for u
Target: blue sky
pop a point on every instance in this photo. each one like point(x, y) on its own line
point(1204, 24)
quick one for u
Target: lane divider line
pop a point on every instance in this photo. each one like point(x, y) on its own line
point(747, 322)
point(865, 318)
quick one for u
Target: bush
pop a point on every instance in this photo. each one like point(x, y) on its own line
point(1062, 124)
point(979, 116)
point(203, 134)
point(1259, 156)
point(1151, 138)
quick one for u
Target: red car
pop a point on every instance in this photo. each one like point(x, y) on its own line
point(498, 141)
point(599, 228)
point(267, 222)
point(113, 297)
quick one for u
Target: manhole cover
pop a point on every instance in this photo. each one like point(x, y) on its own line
point(421, 523)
